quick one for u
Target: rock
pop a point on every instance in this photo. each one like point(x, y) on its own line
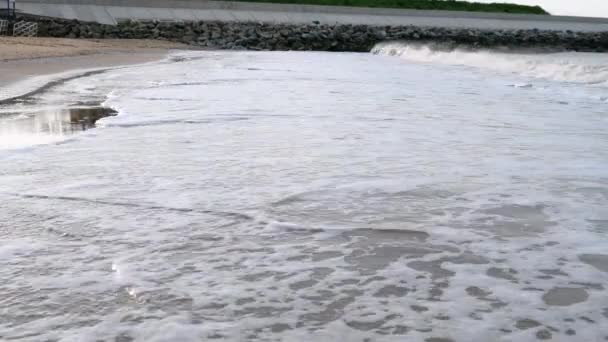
point(543, 334)
point(189, 38)
point(317, 36)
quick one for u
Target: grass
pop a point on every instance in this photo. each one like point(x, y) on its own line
point(447, 5)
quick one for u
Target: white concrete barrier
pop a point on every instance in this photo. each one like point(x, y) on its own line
point(3, 27)
point(113, 11)
point(25, 29)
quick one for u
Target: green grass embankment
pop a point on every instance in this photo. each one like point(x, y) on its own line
point(446, 5)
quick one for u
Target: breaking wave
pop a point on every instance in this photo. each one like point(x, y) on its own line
point(566, 67)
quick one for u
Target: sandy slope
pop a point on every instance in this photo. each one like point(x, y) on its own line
point(12, 48)
point(24, 57)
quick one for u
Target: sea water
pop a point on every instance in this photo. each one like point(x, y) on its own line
point(408, 194)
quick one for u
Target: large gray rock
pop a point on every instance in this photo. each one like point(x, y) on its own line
point(359, 38)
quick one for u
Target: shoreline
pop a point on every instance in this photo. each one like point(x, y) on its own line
point(29, 65)
point(24, 58)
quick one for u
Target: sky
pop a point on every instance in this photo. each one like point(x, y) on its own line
point(586, 8)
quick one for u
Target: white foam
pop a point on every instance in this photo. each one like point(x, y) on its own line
point(569, 67)
point(24, 140)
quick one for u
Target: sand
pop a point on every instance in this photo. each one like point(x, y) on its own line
point(24, 57)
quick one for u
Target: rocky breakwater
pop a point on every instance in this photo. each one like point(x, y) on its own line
point(321, 37)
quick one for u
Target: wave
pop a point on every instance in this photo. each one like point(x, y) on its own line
point(377, 232)
point(568, 67)
point(233, 215)
point(35, 85)
point(30, 87)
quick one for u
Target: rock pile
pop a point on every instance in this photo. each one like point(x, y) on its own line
point(321, 37)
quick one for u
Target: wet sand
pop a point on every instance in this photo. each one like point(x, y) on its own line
point(24, 57)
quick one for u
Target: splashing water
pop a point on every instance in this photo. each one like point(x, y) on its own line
point(568, 67)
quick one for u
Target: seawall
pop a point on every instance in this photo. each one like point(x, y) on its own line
point(322, 37)
point(115, 11)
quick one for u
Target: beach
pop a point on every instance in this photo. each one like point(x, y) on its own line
point(21, 58)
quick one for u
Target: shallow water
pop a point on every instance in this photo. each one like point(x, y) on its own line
point(19, 128)
point(289, 196)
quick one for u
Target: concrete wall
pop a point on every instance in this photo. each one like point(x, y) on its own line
point(113, 11)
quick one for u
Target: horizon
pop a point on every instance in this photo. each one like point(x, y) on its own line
point(591, 8)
